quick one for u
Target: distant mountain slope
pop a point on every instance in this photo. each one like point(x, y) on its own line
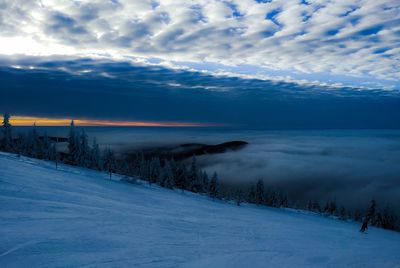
point(187, 150)
point(73, 217)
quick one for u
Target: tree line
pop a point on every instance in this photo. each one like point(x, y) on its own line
point(171, 174)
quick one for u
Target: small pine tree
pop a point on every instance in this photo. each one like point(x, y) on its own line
point(53, 154)
point(342, 213)
point(284, 202)
point(330, 208)
point(73, 141)
point(357, 216)
point(195, 179)
point(82, 150)
point(167, 177)
point(95, 155)
point(316, 206)
point(238, 196)
point(272, 199)
point(214, 186)
point(370, 215)
point(46, 146)
point(388, 219)
point(7, 140)
point(142, 166)
point(20, 144)
point(34, 144)
point(310, 206)
point(109, 162)
point(259, 194)
point(205, 181)
point(154, 170)
point(181, 175)
point(251, 194)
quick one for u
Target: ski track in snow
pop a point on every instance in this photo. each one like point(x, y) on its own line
point(74, 217)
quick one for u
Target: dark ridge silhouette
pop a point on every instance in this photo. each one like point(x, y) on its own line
point(187, 150)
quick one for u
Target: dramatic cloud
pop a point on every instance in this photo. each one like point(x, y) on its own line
point(354, 38)
point(107, 90)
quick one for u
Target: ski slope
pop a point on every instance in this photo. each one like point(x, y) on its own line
point(73, 217)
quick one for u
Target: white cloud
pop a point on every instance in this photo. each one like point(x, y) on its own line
point(358, 38)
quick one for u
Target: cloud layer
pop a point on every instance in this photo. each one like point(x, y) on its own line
point(322, 165)
point(122, 91)
point(351, 166)
point(358, 38)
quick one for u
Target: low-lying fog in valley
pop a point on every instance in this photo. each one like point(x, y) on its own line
point(351, 166)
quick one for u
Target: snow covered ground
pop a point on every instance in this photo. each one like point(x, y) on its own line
point(73, 217)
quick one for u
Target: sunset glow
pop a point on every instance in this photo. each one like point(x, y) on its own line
point(43, 121)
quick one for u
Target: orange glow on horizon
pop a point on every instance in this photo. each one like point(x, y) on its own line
point(43, 121)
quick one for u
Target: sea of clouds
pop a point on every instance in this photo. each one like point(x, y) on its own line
point(349, 166)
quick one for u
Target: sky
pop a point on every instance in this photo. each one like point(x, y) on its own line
point(246, 63)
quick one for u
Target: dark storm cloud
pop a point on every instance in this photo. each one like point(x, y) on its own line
point(120, 90)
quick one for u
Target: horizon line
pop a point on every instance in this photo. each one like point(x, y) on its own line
point(47, 121)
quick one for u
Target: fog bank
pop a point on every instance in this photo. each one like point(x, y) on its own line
point(351, 166)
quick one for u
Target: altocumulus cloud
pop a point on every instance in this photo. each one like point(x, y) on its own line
point(357, 38)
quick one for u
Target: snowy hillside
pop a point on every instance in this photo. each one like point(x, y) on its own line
point(74, 217)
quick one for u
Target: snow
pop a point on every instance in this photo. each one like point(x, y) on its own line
point(74, 217)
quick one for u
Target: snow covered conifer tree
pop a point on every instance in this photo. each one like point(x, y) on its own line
point(251, 194)
point(371, 211)
point(46, 146)
point(20, 144)
point(72, 143)
point(109, 161)
point(154, 170)
point(174, 170)
point(167, 177)
point(259, 194)
point(82, 150)
point(316, 206)
point(330, 207)
point(357, 216)
point(53, 154)
point(28, 145)
point(196, 180)
point(196, 183)
point(284, 201)
point(214, 186)
point(388, 219)
point(143, 167)
point(309, 205)
point(34, 143)
point(238, 195)
point(95, 155)
point(7, 133)
point(272, 199)
point(205, 181)
point(378, 221)
point(342, 213)
point(181, 175)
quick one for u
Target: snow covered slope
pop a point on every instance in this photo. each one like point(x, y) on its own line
point(75, 217)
